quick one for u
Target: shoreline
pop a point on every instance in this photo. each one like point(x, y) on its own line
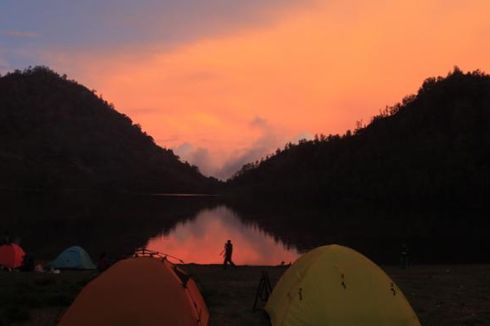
point(439, 294)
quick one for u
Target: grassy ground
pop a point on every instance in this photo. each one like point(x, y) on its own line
point(38, 298)
point(441, 295)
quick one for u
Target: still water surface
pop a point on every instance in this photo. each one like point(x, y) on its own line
point(196, 228)
point(201, 240)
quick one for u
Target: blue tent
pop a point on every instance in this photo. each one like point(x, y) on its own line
point(73, 258)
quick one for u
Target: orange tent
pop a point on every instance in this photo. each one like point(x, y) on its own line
point(139, 291)
point(11, 255)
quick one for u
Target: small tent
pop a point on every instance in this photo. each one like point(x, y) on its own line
point(335, 285)
point(11, 255)
point(73, 258)
point(139, 291)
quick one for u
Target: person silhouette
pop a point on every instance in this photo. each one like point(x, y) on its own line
point(404, 256)
point(227, 253)
point(103, 262)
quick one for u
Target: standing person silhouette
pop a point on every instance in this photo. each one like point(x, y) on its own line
point(404, 256)
point(227, 253)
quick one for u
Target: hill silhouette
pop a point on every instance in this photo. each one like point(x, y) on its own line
point(431, 149)
point(57, 134)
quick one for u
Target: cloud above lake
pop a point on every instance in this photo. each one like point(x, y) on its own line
point(263, 145)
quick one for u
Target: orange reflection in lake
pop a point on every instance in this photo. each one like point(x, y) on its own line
point(202, 239)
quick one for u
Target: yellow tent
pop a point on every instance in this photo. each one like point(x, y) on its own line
point(139, 291)
point(335, 285)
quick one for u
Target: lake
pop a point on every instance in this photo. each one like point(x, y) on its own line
point(192, 228)
point(201, 240)
point(195, 228)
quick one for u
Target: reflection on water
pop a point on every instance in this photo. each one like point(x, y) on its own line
point(201, 240)
point(195, 228)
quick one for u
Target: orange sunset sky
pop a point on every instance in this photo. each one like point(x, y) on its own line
point(228, 87)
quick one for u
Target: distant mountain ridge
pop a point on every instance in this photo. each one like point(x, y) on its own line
point(433, 148)
point(57, 134)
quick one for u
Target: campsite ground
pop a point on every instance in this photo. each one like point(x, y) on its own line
point(441, 295)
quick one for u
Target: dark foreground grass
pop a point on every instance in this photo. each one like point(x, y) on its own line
point(38, 298)
point(441, 295)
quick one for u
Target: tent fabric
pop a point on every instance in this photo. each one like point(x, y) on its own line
point(335, 285)
point(11, 255)
point(73, 258)
point(139, 291)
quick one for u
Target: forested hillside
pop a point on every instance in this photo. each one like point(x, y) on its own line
point(432, 148)
point(57, 134)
